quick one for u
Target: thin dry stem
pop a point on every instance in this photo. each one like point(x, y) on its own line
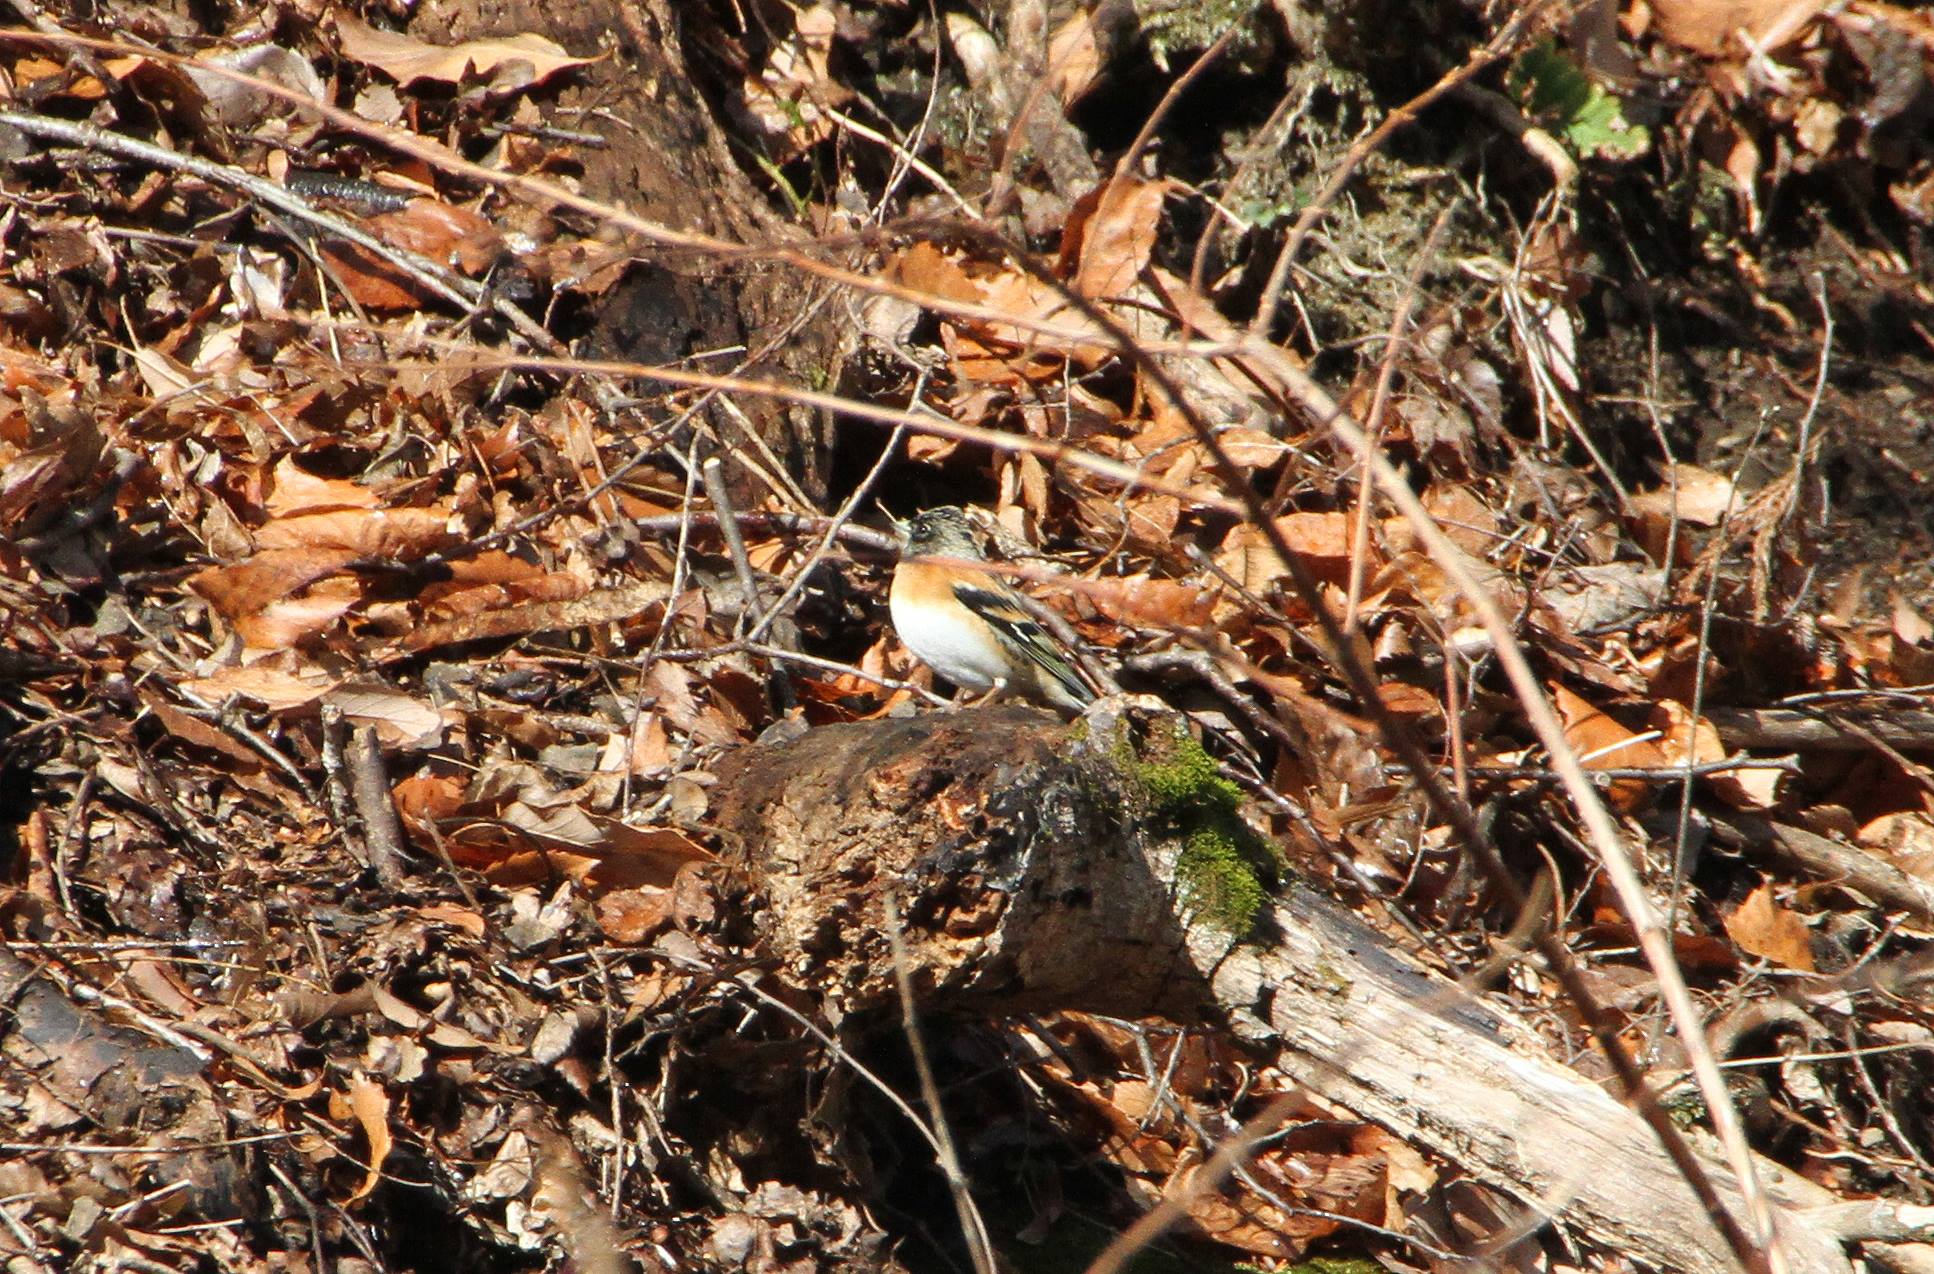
point(979, 1245)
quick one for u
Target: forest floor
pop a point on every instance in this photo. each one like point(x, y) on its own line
point(374, 621)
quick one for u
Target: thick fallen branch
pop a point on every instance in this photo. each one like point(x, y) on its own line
point(1848, 729)
point(1034, 869)
point(1827, 859)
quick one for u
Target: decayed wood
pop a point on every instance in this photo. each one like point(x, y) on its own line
point(1031, 875)
point(1847, 729)
point(1011, 853)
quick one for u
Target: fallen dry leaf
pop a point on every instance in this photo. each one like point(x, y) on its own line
point(1700, 497)
point(365, 1099)
point(630, 916)
point(1110, 234)
point(1320, 540)
point(1074, 56)
point(1763, 928)
point(788, 99)
point(1603, 744)
point(293, 490)
point(403, 721)
point(525, 59)
point(1713, 27)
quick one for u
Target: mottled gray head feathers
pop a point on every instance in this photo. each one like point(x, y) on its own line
point(941, 532)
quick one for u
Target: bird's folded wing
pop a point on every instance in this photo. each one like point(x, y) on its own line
point(1019, 631)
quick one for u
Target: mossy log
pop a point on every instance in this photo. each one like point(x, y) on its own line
point(1036, 865)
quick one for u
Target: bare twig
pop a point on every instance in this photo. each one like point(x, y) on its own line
point(748, 982)
point(712, 473)
point(444, 283)
point(1649, 773)
point(860, 495)
point(1825, 859)
point(1760, 1251)
point(1174, 1207)
point(805, 661)
point(70, 834)
point(903, 157)
point(1380, 403)
point(1805, 446)
point(1183, 82)
point(864, 537)
point(916, 422)
point(1900, 726)
point(335, 784)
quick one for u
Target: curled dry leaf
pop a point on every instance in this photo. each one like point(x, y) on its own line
point(447, 235)
point(1696, 496)
point(989, 350)
point(511, 825)
point(402, 721)
point(389, 534)
point(632, 916)
point(195, 731)
point(365, 1099)
point(788, 99)
point(1471, 524)
point(241, 106)
point(1147, 602)
point(1905, 838)
point(292, 489)
point(601, 606)
point(524, 60)
point(1075, 55)
point(1911, 627)
point(1685, 739)
point(1320, 540)
point(249, 587)
point(277, 685)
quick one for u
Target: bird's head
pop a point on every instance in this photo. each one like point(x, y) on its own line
point(940, 532)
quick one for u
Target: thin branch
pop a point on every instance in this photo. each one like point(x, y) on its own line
point(1380, 404)
point(443, 283)
point(712, 473)
point(1759, 1252)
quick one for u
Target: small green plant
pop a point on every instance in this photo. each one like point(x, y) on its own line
point(1557, 92)
point(1334, 1265)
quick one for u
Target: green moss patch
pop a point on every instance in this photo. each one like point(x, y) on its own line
point(1225, 870)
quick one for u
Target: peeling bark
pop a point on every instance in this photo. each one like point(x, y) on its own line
point(1032, 873)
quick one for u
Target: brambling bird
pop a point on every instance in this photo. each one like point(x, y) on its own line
point(967, 624)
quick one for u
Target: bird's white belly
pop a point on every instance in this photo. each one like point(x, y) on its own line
point(952, 652)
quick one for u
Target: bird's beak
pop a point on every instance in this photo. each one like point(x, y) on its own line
point(899, 527)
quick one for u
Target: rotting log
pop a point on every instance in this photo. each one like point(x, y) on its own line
point(1031, 872)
